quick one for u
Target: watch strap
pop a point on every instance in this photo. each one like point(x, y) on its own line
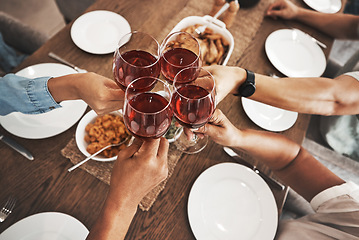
point(249, 82)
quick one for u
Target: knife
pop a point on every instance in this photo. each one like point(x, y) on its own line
point(16, 146)
point(268, 179)
point(60, 59)
point(313, 39)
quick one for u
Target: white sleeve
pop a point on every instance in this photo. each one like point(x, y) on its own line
point(348, 188)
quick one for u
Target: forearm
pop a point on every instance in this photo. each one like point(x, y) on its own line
point(321, 96)
point(113, 222)
point(291, 163)
point(65, 87)
point(338, 25)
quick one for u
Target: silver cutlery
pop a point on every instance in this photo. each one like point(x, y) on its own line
point(312, 38)
point(16, 146)
point(7, 208)
point(268, 179)
point(60, 59)
point(202, 28)
point(98, 152)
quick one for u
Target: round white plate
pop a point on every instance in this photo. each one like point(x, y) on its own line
point(38, 126)
point(325, 6)
point(98, 32)
point(229, 201)
point(269, 117)
point(295, 54)
point(45, 226)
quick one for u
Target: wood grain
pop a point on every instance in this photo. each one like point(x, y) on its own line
point(45, 185)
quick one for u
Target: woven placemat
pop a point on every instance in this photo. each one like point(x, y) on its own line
point(102, 170)
point(244, 28)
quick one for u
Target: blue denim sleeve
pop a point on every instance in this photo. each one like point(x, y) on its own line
point(29, 96)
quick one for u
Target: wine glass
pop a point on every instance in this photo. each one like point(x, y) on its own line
point(137, 56)
point(180, 50)
point(193, 104)
point(147, 111)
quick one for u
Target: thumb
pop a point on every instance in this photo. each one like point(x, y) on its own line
point(217, 121)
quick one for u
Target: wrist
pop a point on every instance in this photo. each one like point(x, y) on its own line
point(63, 88)
point(241, 75)
point(248, 87)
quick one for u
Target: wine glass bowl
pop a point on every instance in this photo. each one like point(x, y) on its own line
point(180, 50)
point(147, 111)
point(137, 55)
point(193, 104)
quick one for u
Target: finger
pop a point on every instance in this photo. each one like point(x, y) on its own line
point(150, 147)
point(163, 147)
point(129, 151)
point(189, 134)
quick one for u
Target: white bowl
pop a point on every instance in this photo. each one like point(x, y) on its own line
point(216, 25)
point(80, 135)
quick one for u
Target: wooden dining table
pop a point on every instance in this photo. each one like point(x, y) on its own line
point(44, 185)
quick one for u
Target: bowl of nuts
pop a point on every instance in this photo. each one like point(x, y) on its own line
point(216, 42)
point(96, 132)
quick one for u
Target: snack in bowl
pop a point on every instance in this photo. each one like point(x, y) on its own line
point(96, 132)
point(212, 40)
point(107, 129)
point(173, 132)
point(213, 45)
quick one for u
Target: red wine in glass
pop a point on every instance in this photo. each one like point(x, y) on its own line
point(176, 59)
point(178, 51)
point(134, 64)
point(192, 106)
point(193, 103)
point(137, 55)
point(148, 114)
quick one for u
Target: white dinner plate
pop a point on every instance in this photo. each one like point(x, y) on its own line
point(45, 226)
point(269, 117)
point(98, 32)
point(295, 54)
point(229, 201)
point(325, 6)
point(38, 126)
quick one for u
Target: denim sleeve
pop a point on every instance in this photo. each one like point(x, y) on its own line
point(29, 96)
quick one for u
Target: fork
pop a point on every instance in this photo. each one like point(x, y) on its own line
point(7, 208)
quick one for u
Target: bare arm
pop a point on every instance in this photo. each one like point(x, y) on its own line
point(289, 161)
point(338, 25)
point(100, 93)
point(319, 95)
point(137, 170)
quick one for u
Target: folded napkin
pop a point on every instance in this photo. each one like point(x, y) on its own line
point(102, 170)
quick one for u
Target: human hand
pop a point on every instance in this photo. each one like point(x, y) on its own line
point(221, 130)
point(138, 169)
point(227, 79)
point(282, 8)
point(100, 93)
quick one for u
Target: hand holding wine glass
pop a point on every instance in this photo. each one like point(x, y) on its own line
point(193, 104)
point(147, 111)
point(138, 55)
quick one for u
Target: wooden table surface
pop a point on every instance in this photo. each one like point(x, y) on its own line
point(44, 185)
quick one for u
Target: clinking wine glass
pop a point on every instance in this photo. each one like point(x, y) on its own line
point(137, 55)
point(180, 50)
point(147, 112)
point(193, 104)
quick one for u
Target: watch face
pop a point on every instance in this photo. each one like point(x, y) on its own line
point(248, 90)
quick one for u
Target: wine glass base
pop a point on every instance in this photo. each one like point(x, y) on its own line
point(191, 146)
